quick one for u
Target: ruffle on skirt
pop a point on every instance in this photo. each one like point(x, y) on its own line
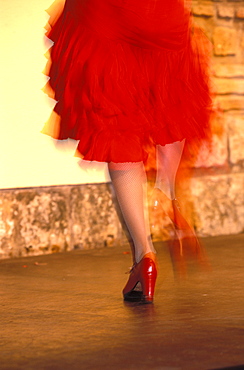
point(127, 75)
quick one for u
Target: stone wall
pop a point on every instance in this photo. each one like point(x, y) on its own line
point(218, 190)
point(59, 218)
point(52, 219)
point(214, 199)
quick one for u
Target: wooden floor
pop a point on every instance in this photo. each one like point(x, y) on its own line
point(65, 311)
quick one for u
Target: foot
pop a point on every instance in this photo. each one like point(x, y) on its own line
point(145, 272)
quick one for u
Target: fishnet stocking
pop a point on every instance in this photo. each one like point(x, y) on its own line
point(168, 160)
point(129, 183)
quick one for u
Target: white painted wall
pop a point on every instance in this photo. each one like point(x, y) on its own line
point(27, 157)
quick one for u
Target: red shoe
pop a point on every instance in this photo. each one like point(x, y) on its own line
point(188, 241)
point(183, 244)
point(144, 272)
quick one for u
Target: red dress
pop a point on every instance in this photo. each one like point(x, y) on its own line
point(127, 75)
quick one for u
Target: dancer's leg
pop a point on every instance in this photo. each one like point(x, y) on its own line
point(129, 182)
point(168, 160)
point(123, 224)
point(186, 242)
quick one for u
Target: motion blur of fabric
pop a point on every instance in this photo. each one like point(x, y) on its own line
point(131, 81)
point(127, 75)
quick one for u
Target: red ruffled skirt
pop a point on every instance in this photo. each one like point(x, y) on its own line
point(127, 75)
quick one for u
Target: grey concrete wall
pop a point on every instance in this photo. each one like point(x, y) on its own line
point(45, 220)
point(59, 218)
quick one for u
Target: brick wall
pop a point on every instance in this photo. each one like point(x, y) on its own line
point(218, 193)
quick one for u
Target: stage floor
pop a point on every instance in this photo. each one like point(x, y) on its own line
point(65, 311)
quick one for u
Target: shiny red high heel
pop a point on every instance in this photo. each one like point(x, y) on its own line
point(144, 272)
